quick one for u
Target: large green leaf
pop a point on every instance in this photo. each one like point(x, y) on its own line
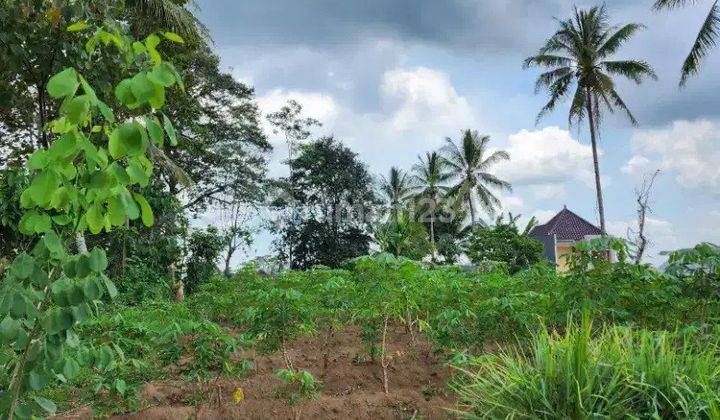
point(148, 218)
point(34, 222)
point(78, 109)
point(46, 404)
point(23, 266)
point(42, 187)
point(98, 260)
point(127, 140)
point(123, 91)
point(63, 84)
point(95, 218)
point(162, 75)
point(62, 148)
point(137, 174)
point(142, 88)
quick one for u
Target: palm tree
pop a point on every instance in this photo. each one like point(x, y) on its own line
point(580, 54)
point(707, 36)
point(470, 165)
point(395, 190)
point(430, 175)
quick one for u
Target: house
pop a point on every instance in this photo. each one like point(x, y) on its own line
point(560, 234)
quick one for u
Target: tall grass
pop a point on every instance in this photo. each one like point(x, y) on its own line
point(619, 372)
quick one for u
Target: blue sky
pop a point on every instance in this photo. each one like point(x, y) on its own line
point(392, 79)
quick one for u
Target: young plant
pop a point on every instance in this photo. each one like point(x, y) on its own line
point(297, 384)
point(83, 181)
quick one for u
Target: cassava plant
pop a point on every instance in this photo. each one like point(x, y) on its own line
point(84, 181)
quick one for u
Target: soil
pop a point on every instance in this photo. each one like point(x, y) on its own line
point(351, 385)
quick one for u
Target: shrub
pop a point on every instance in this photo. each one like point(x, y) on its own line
point(204, 246)
point(622, 372)
point(503, 243)
point(140, 283)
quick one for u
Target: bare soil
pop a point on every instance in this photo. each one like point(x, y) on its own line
point(351, 385)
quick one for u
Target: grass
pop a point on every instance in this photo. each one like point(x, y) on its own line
point(618, 372)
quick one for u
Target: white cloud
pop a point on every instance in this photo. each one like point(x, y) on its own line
point(547, 158)
point(543, 216)
point(688, 149)
point(422, 96)
point(637, 164)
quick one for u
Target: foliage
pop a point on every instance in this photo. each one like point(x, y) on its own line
point(503, 243)
point(204, 247)
point(470, 163)
point(328, 197)
point(82, 182)
point(142, 283)
point(298, 384)
point(618, 373)
point(699, 269)
point(13, 181)
point(402, 236)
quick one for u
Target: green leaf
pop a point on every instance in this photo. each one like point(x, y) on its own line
point(157, 135)
point(110, 286)
point(78, 109)
point(63, 84)
point(70, 368)
point(137, 174)
point(78, 26)
point(162, 75)
point(131, 208)
point(172, 36)
point(148, 218)
point(106, 112)
point(170, 130)
point(91, 289)
point(38, 160)
point(34, 222)
point(42, 187)
point(23, 266)
point(158, 100)
point(116, 213)
point(95, 218)
point(98, 260)
point(37, 380)
point(64, 147)
point(126, 140)
point(120, 386)
point(54, 245)
point(8, 329)
point(44, 403)
point(142, 87)
point(123, 91)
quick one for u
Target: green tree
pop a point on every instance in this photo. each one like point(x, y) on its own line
point(503, 243)
point(395, 191)
point(580, 54)
point(329, 197)
point(470, 163)
point(430, 176)
point(706, 39)
point(204, 249)
point(86, 180)
point(400, 235)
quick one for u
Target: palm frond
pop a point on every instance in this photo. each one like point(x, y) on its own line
point(558, 90)
point(634, 70)
point(171, 16)
point(614, 41)
point(706, 39)
point(547, 60)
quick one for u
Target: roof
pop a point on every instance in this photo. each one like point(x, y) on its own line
point(567, 226)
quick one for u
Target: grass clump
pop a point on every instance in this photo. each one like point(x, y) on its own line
point(619, 372)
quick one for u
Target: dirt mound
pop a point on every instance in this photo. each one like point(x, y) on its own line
point(351, 385)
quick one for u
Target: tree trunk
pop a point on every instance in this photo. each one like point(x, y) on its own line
point(383, 360)
point(228, 257)
point(432, 227)
point(80, 243)
point(596, 164)
point(472, 209)
point(42, 136)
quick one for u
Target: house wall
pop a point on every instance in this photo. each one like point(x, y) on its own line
point(562, 252)
point(548, 243)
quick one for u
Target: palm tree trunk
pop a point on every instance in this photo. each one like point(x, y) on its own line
point(596, 164)
point(432, 230)
point(472, 209)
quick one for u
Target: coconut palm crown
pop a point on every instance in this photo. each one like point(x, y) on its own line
point(430, 178)
point(581, 65)
point(706, 38)
point(395, 189)
point(470, 163)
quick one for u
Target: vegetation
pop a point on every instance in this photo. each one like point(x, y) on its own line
point(118, 130)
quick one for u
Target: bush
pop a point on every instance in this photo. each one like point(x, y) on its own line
point(503, 243)
point(204, 246)
point(620, 373)
point(140, 283)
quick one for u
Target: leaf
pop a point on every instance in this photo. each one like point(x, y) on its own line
point(42, 187)
point(54, 245)
point(63, 84)
point(106, 112)
point(123, 91)
point(172, 36)
point(131, 208)
point(91, 289)
point(170, 130)
point(8, 329)
point(126, 140)
point(95, 218)
point(46, 404)
point(23, 266)
point(137, 174)
point(120, 386)
point(116, 213)
point(157, 135)
point(34, 222)
point(158, 100)
point(162, 75)
point(70, 368)
point(78, 26)
point(110, 286)
point(142, 88)
point(37, 381)
point(77, 109)
point(62, 148)
point(147, 216)
point(98, 260)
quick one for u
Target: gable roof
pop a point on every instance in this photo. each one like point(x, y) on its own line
point(566, 225)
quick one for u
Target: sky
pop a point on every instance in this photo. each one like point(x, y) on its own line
point(393, 79)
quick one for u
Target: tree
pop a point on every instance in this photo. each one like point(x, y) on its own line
point(642, 197)
point(400, 235)
point(395, 191)
point(236, 236)
point(330, 196)
point(503, 243)
point(430, 176)
point(706, 39)
point(292, 125)
point(580, 54)
point(204, 246)
point(470, 164)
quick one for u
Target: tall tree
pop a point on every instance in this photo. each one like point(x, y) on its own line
point(470, 163)
point(580, 55)
point(430, 176)
point(395, 190)
point(706, 38)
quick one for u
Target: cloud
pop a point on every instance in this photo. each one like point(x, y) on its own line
point(690, 150)
point(547, 159)
point(420, 96)
point(637, 164)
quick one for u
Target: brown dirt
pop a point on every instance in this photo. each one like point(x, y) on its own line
point(351, 387)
